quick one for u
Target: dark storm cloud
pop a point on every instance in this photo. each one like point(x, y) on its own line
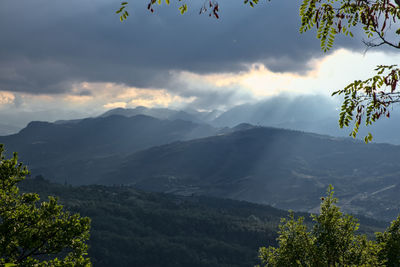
point(47, 46)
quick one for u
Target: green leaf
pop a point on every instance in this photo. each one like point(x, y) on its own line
point(370, 137)
point(183, 8)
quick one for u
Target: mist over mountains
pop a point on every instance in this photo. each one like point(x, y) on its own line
point(7, 129)
point(284, 168)
point(66, 151)
point(310, 113)
point(317, 114)
point(165, 114)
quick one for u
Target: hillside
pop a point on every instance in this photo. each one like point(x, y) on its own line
point(283, 168)
point(134, 228)
point(286, 169)
point(64, 149)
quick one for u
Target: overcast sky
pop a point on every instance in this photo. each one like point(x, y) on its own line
point(64, 59)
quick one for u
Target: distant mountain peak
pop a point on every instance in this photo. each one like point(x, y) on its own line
point(244, 126)
point(163, 113)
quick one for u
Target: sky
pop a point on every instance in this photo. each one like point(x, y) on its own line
point(70, 59)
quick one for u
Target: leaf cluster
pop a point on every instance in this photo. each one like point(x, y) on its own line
point(332, 17)
point(210, 7)
point(183, 8)
point(122, 11)
point(369, 100)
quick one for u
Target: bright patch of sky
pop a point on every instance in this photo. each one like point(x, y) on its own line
point(326, 75)
point(163, 59)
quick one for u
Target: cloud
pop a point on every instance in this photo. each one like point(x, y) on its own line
point(6, 98)
point(56, 44)
point(201, 91)
point(71, 59)
point(115, 105)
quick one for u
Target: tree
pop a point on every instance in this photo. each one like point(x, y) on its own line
point(332, 241)
point(390, 244)
point(364, 101)
point(35, 233)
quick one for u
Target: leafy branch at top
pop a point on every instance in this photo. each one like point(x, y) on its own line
point(331, 17)
point(122, 11)
point(210, 7)
point(183, 8)
point(369, 100)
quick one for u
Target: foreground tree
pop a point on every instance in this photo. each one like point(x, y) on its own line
point(332, 241)
point(34, 233)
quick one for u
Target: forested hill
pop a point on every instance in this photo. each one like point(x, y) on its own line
point(102, 136)
point(134, 228)
point(289, 169)
point(283, 168)
point(81, 150)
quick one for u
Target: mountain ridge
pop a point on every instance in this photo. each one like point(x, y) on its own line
point(260, 166)
point(285, 168)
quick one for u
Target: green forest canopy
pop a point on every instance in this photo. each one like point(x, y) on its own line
point(34, 232)
point(332, 241)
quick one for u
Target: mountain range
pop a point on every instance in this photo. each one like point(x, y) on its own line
point(165, 114)
point(283, 168)
point(80, 150)
point(315, 114)
point(312, 113)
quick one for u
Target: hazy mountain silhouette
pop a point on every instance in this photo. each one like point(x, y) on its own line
point(284, 168)
point(66, 150)
point(316, 114)
point(7, 129)
point(164, 114)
